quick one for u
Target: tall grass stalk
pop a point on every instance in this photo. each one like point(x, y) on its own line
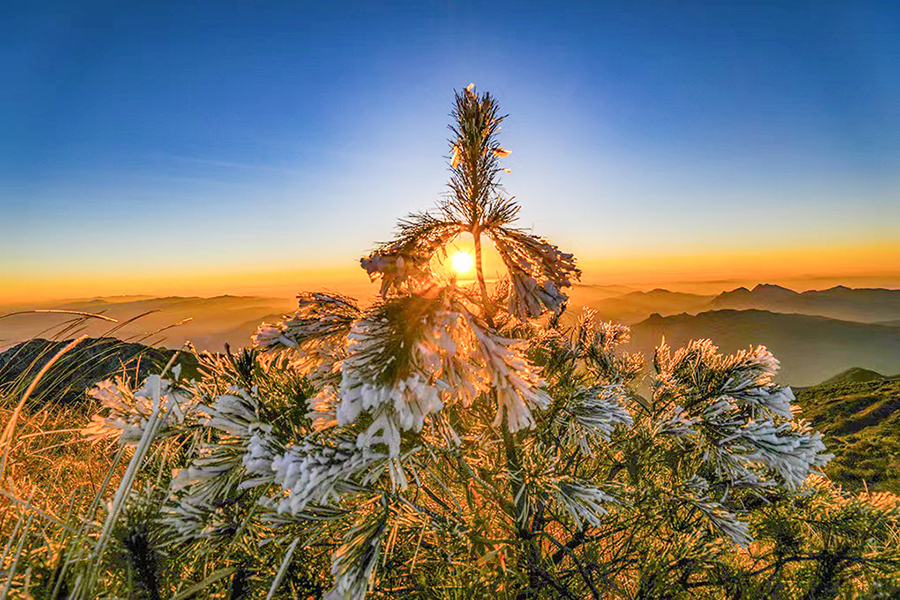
point(75, 559)
point(6, 439)
point(208, 581)
point(86, 523)
point(54, 311)
point(124, 488)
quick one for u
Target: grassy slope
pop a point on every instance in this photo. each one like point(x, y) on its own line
point(861, 424)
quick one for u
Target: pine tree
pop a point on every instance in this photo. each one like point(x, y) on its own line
point(474, 441)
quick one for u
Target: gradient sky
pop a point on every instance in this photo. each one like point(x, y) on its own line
point(263, 147)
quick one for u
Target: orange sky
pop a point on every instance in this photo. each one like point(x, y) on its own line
point(872, 265)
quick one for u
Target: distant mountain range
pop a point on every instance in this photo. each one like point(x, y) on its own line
point(634, 307)
point(814, 334)
point(874, 305)
point(848, 304)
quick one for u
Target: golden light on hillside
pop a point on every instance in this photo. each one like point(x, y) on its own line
point(462, 262)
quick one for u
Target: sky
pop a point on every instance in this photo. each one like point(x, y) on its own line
point(207, 148)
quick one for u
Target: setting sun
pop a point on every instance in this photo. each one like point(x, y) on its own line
point(462, 262)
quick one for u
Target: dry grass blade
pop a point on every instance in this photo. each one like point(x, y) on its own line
point(6, 439)
point(59, 312)
point(161, 329)
point(125, 486)
point(87, 521)
point(129, 321)
point(51, 432)
point(11, 572)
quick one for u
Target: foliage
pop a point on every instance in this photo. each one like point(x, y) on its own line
point(454, 441)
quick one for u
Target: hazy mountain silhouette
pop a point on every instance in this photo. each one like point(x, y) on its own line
point(865, 305)
point(636, 306)
point(842, 303)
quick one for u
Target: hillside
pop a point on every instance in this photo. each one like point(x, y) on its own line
point(810, 348)
point(861, 424)
point(91, 361)
point(855, 375)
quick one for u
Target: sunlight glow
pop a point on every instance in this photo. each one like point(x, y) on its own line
point(462, 262)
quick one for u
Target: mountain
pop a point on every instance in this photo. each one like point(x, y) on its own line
point(83, 366)
point(169, 322)
point(854, 375)
point(637, 306)
point(809, 348)
point(848, 304)
point(860, 423)
point(880, 306)
point(586, 294)
point(762, 293)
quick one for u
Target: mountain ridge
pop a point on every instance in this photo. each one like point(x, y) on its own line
point(868, 305)
point(93, 360)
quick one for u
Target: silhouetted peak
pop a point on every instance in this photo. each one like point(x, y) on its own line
point(771, 289)
point(854, 375)
point(739, 291)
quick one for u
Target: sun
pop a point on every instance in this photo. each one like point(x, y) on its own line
point(462, 262)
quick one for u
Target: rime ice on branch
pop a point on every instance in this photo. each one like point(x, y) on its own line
point(457, 411)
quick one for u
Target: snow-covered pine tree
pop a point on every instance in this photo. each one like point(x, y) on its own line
point(469, 441)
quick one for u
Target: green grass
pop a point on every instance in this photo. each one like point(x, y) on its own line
point(861, 425)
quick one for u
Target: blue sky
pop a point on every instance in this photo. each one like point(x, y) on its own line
point(148, 143)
